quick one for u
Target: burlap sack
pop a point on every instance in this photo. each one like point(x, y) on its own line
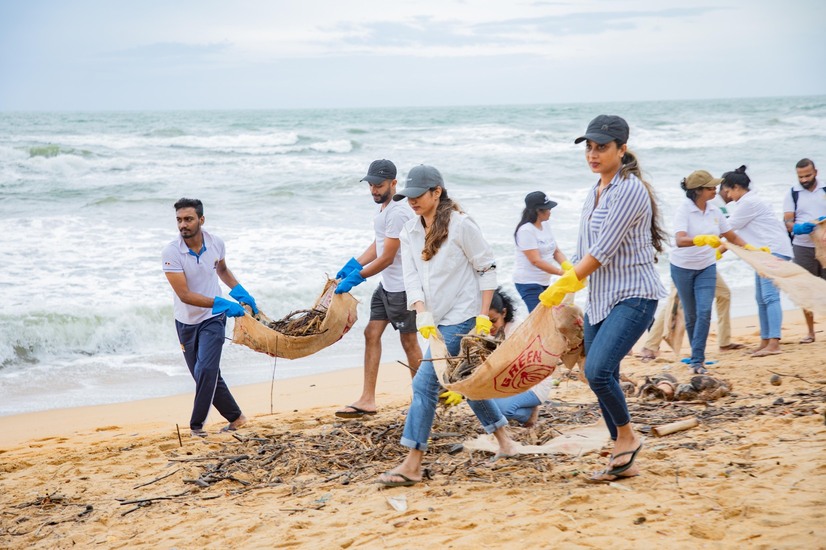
point(819, 238)
point(528, 356)
point(340, 316)
point(805, 290)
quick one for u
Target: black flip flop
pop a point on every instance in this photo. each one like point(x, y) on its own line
point(407, 482)
point(620, 469)
point(355, 413)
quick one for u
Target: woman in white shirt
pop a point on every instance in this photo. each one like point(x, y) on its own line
point(449, 276)
point(524, 407)
point(698, 226)
point(754, 221)
point(536, 249)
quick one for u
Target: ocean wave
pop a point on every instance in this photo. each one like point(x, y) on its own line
point(34, 337)
point(53, 150)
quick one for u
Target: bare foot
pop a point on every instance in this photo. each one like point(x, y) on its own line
point(531, 422)
point(731, 346)
point(766, 352)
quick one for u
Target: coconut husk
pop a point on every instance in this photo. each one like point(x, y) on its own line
point(300, 333)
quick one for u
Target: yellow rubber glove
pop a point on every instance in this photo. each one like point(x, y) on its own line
point(567, 283)
point(765, 249)
point(566, 265)
point(451, 398)
point(710, 240)
point(425, 324)
point(483, 324)
point(717, 254)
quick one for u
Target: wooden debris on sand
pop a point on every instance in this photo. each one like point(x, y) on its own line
point(302, 322)
point(475, 350)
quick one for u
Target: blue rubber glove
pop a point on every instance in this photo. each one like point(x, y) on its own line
point(803, 228)
point(352, 264)
point(242, 296)
point(821, 218)
point(222, 305)
point(352, 279)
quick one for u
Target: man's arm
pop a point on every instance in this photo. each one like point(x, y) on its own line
point(788, 219)
point(378, 264)
point(369, 255)
point(225, 274)
point(178, 282)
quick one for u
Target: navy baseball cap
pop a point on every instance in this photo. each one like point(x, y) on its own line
point(538, 200)
point(420, 179)
point(379, 171)
point(606, 128)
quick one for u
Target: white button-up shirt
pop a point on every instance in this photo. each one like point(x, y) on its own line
point(450, 283)
point(756, 223)
point(693, 222)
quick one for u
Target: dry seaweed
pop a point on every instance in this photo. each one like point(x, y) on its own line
point(302, 322)
point(474, 350)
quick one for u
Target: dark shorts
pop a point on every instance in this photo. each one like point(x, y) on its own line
point(804, 256)
point(392, 307)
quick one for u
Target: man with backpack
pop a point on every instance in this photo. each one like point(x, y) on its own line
point(803, 207)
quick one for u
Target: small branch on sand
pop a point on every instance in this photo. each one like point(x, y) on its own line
point(156, 479)
point(674, 427)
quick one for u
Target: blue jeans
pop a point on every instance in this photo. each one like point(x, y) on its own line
point(518, 407)
point(426, 387)
point(606, 343)
point(202, 344)
point(768, 305)
point(530, 294)
point(696, 288)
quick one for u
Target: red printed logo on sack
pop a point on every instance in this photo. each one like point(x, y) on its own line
point(531, 366)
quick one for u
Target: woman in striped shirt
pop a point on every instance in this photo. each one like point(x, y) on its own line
point(619, 234)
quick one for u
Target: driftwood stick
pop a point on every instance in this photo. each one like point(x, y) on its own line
point(156, 479)
point(178, 429)
point(674, 427)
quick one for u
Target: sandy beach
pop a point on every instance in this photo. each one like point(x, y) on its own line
point(750, 475)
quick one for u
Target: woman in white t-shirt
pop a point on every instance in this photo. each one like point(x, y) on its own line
point(698, 226)
point(756, 222)
point(536, 249)
point(524, 407)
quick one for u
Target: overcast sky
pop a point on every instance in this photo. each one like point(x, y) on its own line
point(195, 54)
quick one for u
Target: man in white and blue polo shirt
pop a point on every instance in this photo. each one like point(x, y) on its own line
point(193, 263)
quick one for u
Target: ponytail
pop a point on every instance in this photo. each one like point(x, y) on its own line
point(630, 166)
point(529, 215)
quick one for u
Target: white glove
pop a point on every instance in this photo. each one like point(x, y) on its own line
point(425, 324)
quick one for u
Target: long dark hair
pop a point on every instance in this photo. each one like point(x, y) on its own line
point(502, 303)
point(529, 215)
point(437, 234)
point(630, 165)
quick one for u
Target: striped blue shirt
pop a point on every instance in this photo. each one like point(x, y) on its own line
point(617, 232)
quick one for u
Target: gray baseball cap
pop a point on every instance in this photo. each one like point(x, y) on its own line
point(379, 171)
point(606, 128)
point(420, 179)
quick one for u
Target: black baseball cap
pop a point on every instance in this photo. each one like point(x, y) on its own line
point(606, 128)
point(420, 179)
point(538, 200)
point(379, 171)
